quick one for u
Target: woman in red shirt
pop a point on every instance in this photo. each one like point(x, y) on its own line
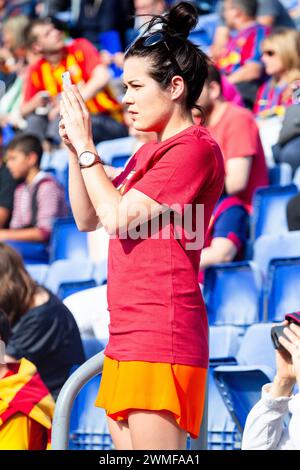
point(156, 212)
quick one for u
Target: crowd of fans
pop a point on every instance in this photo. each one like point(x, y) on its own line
point(252, 84)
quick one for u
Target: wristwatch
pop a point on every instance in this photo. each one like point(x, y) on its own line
point(87, 159)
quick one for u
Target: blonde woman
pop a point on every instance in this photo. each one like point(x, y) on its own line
point(281, 58)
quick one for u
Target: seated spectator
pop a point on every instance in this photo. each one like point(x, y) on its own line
point(265, 428)
point(84, 64)
point(43, 329)
point(7, 188)
point(226, 236)
point(293, 213)
point(235, 130)
point(240, 60)
point(270, 13)
point(281, 58)
point(38, 198)
point(26, 406)
point(14, 44)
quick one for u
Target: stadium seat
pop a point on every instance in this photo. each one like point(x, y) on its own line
point(119, 161)
point(38, 272)
point(203, 34)
point(68, 271)
point(282, 288)
point(240, 385)
point(67, 242)
point(222, 431)
point(280, 174)
point(267, 247)
point(296, 179)
point(269, 210)
point(232, 293)
point(224, 342)
point(32, 252)
point(88, 425)
point(68, 288)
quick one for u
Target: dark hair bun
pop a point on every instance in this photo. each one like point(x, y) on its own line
point(182, 19)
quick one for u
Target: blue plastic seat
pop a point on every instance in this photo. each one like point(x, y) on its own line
point(222, 431)
point(119, 161)
point(282, 289)
point(232, 294)
point(269, 210)
point(240, 385)
point(68, 288)
point(280, 174)
point(31, 252)
point(38, 272)
point(72, 270)
point(268, 247)
point(88, 425)
point(224, 342)
point(67, 242)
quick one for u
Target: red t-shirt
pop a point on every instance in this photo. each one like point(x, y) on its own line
point(156, 309)
point(238, 136)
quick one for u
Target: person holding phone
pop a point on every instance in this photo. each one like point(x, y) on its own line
point(153, 382)
point(265, 427)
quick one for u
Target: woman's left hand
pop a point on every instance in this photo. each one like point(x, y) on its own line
point(76, 119)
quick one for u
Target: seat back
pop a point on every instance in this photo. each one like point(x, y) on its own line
point(232, 294)
point(280, 174)
point(67, 242)
point(268, 247)
point(257, 347)
point(269, 210)
point(282, 288)
point(72, 270)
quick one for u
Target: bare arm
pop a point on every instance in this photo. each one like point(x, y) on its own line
point(221, 250)
point(83, 210)
point(32, 234)
point(246, 73)
point(99, 79)
point(220, 40)
point(237, 174)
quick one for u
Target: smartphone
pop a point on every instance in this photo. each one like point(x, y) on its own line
point(66, 79)
point(277, 331)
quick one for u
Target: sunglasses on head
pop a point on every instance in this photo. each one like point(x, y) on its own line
point(269, 53)
point(160, 38)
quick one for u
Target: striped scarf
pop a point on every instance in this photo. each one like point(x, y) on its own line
point(24, 392)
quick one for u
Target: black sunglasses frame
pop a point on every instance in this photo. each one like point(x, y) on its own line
point(160, 38)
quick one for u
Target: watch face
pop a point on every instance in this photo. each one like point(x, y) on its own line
point(86, 158)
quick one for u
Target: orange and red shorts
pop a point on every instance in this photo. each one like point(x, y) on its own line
point(155, 386)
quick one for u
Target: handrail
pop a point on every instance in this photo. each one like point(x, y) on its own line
point(69, 392)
